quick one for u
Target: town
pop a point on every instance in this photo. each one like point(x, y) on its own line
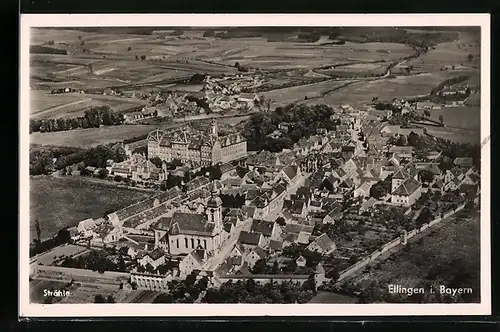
point(239, 184)
point(306, 215)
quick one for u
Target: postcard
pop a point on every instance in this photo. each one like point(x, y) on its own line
point(254, 165)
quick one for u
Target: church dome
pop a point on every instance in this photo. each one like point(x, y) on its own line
point(214, 201)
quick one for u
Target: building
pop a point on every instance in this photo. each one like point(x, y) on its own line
point(322, 244)
point(86, 227)
point(183, 232)
point(195, 147)
point(154, 258)
point(194, 261)
point(407, 193)
point(402, 151)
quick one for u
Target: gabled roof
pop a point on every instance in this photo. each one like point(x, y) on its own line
point(262, 226)
point(407, 188)
point(401, 174)
point(260, 253)
point(156, 254)
point(324, 242)
point(290, 171)
point(464, 161)
point(296, 228)
point(294, 206)
point(250, 238)
point(276, 245)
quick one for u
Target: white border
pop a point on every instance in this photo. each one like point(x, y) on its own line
point(27, 309)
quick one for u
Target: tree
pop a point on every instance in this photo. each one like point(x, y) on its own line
point(259, 267)
point(426, 176)
point(99, 299)
point(377, 190)
point(427, 113)
point(129, 48)
point(118, 178)
point(156, 161)
point(143, 57)
point(38, 230)
point(276, 268)
point(441, 118)
point(237, 65)
point(137, 57)
point(110, 299)
point(470, 57)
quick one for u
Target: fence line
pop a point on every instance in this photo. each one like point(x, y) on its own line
point(388, 246)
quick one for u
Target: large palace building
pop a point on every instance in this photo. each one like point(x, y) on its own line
point(195, 147)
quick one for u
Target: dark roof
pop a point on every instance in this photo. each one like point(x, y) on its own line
point(262, 226)
point(185, 223)
point(249, 238)
point(156, 254)
point(276, 245)
point(296, 228)
point(400, 174)
point(290, 171)
point(407, 188)
point(324, 242)
point(294, 206)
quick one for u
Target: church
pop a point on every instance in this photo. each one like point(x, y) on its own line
point(183, 232)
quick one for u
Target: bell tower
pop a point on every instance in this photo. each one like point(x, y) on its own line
point(214, 130)
point(214, 209)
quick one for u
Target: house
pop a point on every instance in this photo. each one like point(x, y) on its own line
point(194, 261)
point(251, 239)
point(334, 215)
point(402, 151)
point(291, 174)
point(407, 193)
point(268, 229)
point(301, 261)
point(275, 246)
point(464, 162)
point(253, 255)
point(471, 179)
point(453, 173)
point(154, 258)
point(363, 190)
point(453, 184)
point(322, 244)
point(433, 155)
point(390, 130)
point(350, 166)
point(86, 227)
point(298, 208)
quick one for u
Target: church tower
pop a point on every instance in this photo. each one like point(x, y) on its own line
point(214, 130)
point(214, 208)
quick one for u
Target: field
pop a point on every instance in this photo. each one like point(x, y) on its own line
point(68, 250)
point(286, 96)
point(61, 202)
point(46, 105)
point(450, 54)
point(453, 249)
point(387, 88)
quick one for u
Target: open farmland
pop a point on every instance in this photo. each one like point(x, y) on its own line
point(388, 88)
point(90, 136)
point(446, 55)
point(286, 96)
point(62, 202)
point(271, 55)
point(453, 250)
point(46, 105)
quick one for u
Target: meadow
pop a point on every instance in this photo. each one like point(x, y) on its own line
point(64, 202)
